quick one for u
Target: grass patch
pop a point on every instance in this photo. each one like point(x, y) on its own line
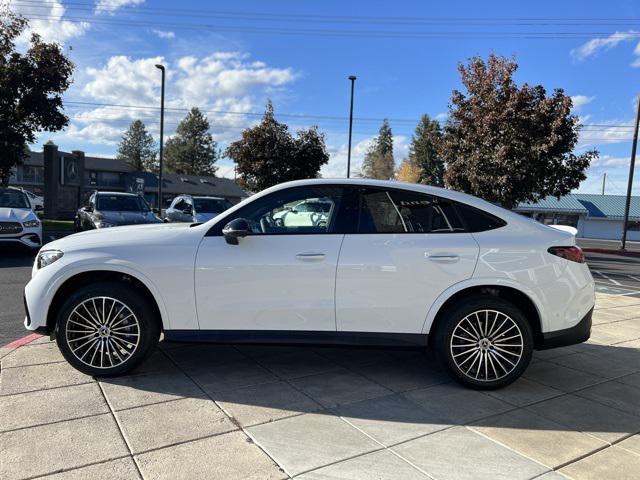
point(58, 225)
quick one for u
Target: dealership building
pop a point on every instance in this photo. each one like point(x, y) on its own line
point(66, 179)
point(595, 216)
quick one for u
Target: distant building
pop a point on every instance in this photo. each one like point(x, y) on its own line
point(116, 175)
point(595, 216)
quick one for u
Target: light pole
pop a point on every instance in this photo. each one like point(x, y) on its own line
point(353, 81)
point(161, 68)
point(630, 186)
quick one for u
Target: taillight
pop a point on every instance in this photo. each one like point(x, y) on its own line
point(573, 254)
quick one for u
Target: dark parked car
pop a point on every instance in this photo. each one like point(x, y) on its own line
point(111, 209)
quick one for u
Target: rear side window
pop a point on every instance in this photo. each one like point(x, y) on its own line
point(398, 211)
point(476, 220)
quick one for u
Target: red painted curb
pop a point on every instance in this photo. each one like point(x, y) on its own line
point(21, 342)
point(621, 253)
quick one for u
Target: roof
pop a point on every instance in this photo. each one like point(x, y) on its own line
point(589, 204)
point(194, 185)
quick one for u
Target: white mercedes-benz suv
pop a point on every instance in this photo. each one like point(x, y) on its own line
point(393, 264)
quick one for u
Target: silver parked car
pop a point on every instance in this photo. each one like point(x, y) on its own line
point(185, 208)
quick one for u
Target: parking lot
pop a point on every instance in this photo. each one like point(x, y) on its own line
point(206, 411)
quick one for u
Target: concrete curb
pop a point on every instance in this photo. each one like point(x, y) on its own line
point(621, 253)
point(21, 342)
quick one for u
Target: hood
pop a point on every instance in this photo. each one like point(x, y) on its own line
point(16, 214)
point(127, 218)
point(205, 217)
point(137, 235)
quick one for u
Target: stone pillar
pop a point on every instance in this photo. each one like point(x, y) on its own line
point(79, 154)
point(51, 179)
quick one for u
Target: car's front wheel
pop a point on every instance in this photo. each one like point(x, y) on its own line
point(485, 342)
point(106, 329)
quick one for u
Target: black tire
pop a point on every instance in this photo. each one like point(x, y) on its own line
point(143, 325)
point(476, 347)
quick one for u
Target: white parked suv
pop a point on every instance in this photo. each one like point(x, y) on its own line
point(19, 225)
point(394, 264)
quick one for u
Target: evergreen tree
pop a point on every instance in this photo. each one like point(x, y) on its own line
point(423, 152)
point(378, 161)
point(268, 154)
point(192, 150)
point(138, 148)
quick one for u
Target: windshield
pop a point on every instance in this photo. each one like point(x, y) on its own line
point(121, 203)
point(210, 205)
point(13, 199)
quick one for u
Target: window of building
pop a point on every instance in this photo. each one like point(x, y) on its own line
point(110, 179)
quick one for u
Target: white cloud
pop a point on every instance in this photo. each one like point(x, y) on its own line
point(110, 6)
point(337, 166)
point(596, 45)
point(53, 28)
point(164, 34)
point(580, 101)
point(217, 83)
point(636, 52)
point(442, 116)
point(608, 161)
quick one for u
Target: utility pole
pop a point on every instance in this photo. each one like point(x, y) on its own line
point(353, 81)
point(604, 181)
point(630, 186)
point(162, 70)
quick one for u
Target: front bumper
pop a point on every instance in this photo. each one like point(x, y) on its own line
point(569, 336)
point(26, 238)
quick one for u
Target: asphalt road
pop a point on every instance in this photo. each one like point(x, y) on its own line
point(613, 274)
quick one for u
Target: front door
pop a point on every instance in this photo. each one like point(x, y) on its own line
point(409, 248)
point(279, 277)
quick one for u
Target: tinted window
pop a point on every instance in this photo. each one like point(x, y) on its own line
point(121, 203)
point(277, 213)
point(210, 205)
point(476, 220)
point(397, 211)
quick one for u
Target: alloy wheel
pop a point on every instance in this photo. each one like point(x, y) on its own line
point(102, 332)
point(486, 345)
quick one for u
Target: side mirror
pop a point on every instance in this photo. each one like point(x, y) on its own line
point(87, 208)
point(235, 229)
point(188, 210)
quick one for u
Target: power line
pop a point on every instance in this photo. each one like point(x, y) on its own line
point(268, 16)
point(453, 35)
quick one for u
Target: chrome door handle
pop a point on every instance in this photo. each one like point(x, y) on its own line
point(442, 257)
point(310, 256)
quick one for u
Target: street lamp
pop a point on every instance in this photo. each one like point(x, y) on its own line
point(161, 68)
point(353, 81)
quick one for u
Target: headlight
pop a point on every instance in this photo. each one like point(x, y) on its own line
point(31, 223)
point(104, 225)
point(47, 257)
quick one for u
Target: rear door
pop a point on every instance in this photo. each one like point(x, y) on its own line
point(407, 248)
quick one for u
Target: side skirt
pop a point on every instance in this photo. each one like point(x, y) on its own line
point(285, 337)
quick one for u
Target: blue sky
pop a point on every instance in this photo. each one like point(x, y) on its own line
point(228, 57)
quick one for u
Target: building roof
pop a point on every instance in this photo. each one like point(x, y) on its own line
point(191, 184)
point(591, 205)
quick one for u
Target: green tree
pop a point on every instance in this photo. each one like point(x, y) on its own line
point(423, 151)
point(192, 150)
point(268, 154)
point(509, 144)
point(31, 86)
point(378, 161)
point(138, 148)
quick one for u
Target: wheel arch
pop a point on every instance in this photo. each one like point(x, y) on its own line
point(510, 293)
point(87, 277)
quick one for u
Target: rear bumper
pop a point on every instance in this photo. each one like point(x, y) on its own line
point(569, 336)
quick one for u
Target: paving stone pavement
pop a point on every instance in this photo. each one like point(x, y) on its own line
point(312, 413)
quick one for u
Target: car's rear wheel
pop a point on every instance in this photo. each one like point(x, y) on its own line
point(106, 329)
point(485, 342)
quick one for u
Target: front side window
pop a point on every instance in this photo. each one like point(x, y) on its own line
point(210, 205)
point(286, 212)
point(397, 211)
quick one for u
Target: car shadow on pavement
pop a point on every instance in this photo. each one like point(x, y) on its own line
point(587, 395)
point(15, 256)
